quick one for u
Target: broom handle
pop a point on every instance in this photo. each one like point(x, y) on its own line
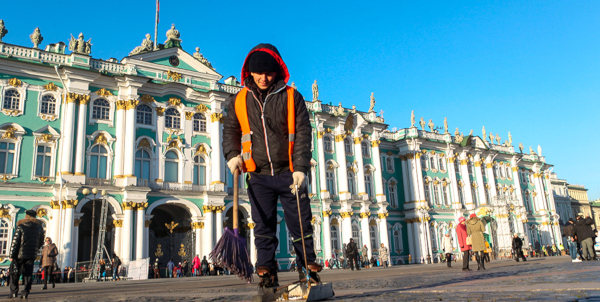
point(302, 234)
point(236, 193)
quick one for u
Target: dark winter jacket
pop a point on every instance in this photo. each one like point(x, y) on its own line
point(49, 253)
point(352, 249)
point(461, 235)
point(27, 240)
point(517, 243)
point(583, 229)
point(116, 262)
point(269, 134)
point(567, 229)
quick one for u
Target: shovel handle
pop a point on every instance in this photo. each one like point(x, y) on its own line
point(236, 194)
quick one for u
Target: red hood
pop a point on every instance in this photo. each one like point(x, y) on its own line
point(272, 50)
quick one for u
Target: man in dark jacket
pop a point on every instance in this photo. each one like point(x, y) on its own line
point(571, 242)
point(271, 175)
point(204, 266)
point(26, 242)
point(517, 245)
point(352, 252)
point(583, 231)
point(116, 263)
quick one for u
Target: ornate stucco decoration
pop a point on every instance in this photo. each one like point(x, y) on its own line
point(118, 223)
point(41, 212)
point(144, 143)
point(173, 101)
point(365, 214)
point(79, 45)
point(3, 30)
point(100, 139)
point(383, 215)
point(147, 45)
point(9, 132)
point(197, 225)
point(14, 82)
point(121, 105)
point(131, 104)
point(173, 38)
point(347, 214)
point(216, 117)
point(36, 37)
point(46, 137)
point(70, 203)
point(201, 108)
point(173, 75)
point(206, 209)
point(198, 56)
point(327, 213)
point(200, 150)
point(174, 143)
point(104, 92)
point(5, 213)
point(160, 111)
point(147, 99)
point(50, 87)
point(340, 137)
point(171, 226)
point(189, 115)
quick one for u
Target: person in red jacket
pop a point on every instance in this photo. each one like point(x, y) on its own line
point(461, 234)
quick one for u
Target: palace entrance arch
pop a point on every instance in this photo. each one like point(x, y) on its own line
point(170, 235)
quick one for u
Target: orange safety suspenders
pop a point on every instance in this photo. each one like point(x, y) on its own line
point(242, 114)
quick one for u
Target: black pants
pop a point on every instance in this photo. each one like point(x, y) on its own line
point(449, 259)
point(264, 190)
point(466, 259)
point(352, 261)
point(48, 274)
point(21, 267)
point(486, 257)
point(519, 254)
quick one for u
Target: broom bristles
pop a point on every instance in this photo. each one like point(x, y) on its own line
point(231, 253)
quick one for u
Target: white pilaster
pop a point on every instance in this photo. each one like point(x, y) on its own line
point(139, 236)
point(55, 222)
point(198, 227)
point(376, 157)
point(366, 235)
point(216, 138)
point(127, 232)
point(383, 233)
point(219, 223)
point(342, 170)
point(207, 232)
point(67, 139)
point(327, 233)
point(492, 180)
point(419, 174)
point(405, 179)
point(464, 171)
point(80, 147)
point(322, 179)
point(480, 183)
point(67, 247)
point(120, 142)
point(360, 174)
point(453, 183)
point(346, 228)
point(129, 156)
point(411, 242)
point(118, 236)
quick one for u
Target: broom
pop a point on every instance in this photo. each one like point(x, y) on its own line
point(230, 252)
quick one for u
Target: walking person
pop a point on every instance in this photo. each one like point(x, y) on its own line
point(517, 246)
point(344, 257)
point(384, 255)
point(461, 235)
point(448, 248)
point(49, 253)
point(204, 265)
point(170, 266)
point(352, 252)
point(26, 241)
point(116, 263)
point(475, 229)
point(267, 133)
point(583, 232)
point(571, 241)
point(156, 269)
point(487, 252)
point(196, 266)
point(184, 268)
point(365, 256)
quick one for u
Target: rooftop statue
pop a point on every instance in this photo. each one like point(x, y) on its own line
point(353, 108)
point(202, 59)
point(422, 123)
point(491, 138)
point(497, 139)
point(531, 150)
point(3, 30)
point(521, 147)
point(147, 45)
point(456, 133)
point(339, 110)
point(539, 150)
point(372, 102)
point(173, 38)
point(79, 45)
point(315, 91)
point(471, 132)
point(36, 37)
point(293, 83)
point(459, 137)
point(412, 118)
point(483, 132)
point(431, 125)
point(445, 125)
point(509, 139)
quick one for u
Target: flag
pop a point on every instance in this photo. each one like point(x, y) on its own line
point(157, 10)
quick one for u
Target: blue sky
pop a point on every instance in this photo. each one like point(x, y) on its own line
point(529, 67)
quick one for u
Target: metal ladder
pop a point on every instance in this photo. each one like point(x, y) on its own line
point(100, 248)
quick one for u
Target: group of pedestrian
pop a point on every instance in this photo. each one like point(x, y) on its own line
point(352, 257)
point(470, 239)
point(581, 238)
point(183, 269)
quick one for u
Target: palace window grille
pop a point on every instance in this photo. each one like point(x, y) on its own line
point(142, 164)
point(432, 162)
point(457, 168)
point(496, 172)
point(98, 162)
point(397, 241)
point(373, 234)
point(428, 194)
point(369, 185)
point(475, 197)
point(172, 118)
point(365, 149)
point(436, 195)
point(424, 162)
point(43, 161)
point(351, 183)
point(442, 163)
point(327, 145)
point(356, 235)
point(4, 237)
point(199, 171)
point(335, 244)
point(331, 184)
point(144, 114)
point(447, 200)
point(389, 163)
point(171, 167)
point(48, 104)
point(392, 195)
point(502, 172)
point(348, 146)
point(199, 122)
point(12, 99)
point(461, 195)
point(7, 157)
point(101, 109)
point(471, 168)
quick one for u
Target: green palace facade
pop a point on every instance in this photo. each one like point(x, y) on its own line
point(147, 129)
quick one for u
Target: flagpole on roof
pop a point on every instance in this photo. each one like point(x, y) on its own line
point(156, 25)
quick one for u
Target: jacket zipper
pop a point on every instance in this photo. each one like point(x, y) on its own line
point(262, 117)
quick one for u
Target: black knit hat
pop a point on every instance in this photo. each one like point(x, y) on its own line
point(31, 213)
point(261, 61)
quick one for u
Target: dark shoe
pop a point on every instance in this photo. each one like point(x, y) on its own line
point(24, 297)
point(12, 296)
point(53, 285)
point(44, 288)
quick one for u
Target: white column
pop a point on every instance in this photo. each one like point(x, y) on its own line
point(360, 174)
point(383, 233)
point(118, 239)
point(412, 178)
point(146, 250)
point(120, 142)
point(139, 236)
point(127, 232)
point(207, 232)
point(366, 235)
point(464, 171)
point(405, 179)
point(480, 184)
point(376, 157)
point(411, 242)
point(492, 180)
point(324, 194)
point(129, 155)
point(418, 170)
point(342, 170)
point(67, 139)
point(327, 234)
point(219, 222)
point(517, 184)
point(66, 247)
point(346, 228)
point(251, 244)
point(216, 154)
point(453, 183)
point(55, 221)
point(80, 148)
point(74, 239)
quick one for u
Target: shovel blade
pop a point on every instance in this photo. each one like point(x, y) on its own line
point(320, 292)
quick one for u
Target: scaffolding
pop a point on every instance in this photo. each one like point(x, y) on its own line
point(100, 248)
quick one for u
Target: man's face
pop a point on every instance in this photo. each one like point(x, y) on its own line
point(263, 79)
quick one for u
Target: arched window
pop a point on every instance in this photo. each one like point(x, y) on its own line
point(475, 197)
point(447, 200)
point(436, 195)
point(144, 114)
point(327, 145)
point(199, 171)
point(43, 160)
point(502, 173)
point(100, 109)
point(348, 146)
point(335, 244)
point(369, 185)
point(397, 241)
point(142, 164)
point(171, 167)
point(172, 118)
point(48, 104)
point(374, 237)
point(508, 172)
point(471, 168)
point(442, 163)
point(428, 194)
point(432, 162)
point(364, 146)
point(199, 122)
point(424, 162)
point(98, 162)
point(356, 234)
point(330, 180)
point(392, 195)
point(12, 99)
point(457, 167)
point(7, 157)
point(4, 237)
point(351, 183)
point(487, 194)
point(461, 195)
point(389, 163)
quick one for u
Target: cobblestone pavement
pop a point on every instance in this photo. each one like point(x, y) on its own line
point(539, 279)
